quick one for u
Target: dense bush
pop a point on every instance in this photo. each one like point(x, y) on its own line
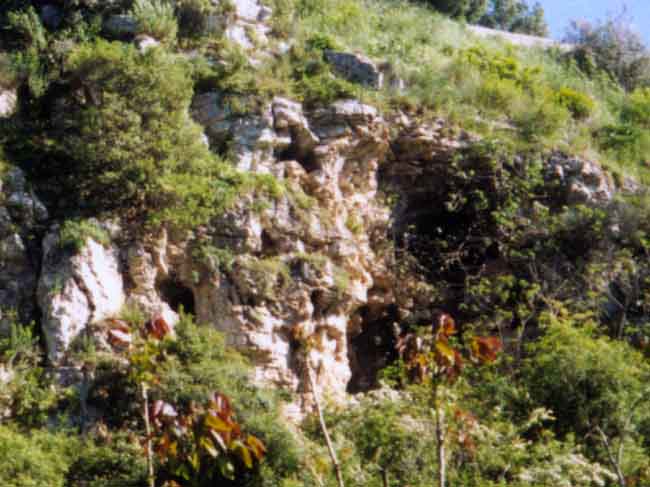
point(636, 110)
point(128, 144)
point(579, 104)
point(34, 460)
point(614, 46)
point(156, 18)
point(593, 385)
point(74, 234)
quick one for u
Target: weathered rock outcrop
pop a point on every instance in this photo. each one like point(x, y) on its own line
point(20, 213)
point(77, 290)
point(311, 265)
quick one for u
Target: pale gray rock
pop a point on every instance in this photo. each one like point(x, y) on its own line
point(8, 101)
point(248, 10)
point(121, 26)
point(75, 291)
point(582, 181)
point(144, 43)
point(355, 68)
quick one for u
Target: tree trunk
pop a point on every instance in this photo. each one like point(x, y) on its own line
point(323, 427)
point(440, 439)
point(147, 426)
point(615, 462)
point(384, 477)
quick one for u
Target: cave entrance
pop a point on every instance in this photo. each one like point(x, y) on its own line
point(176, 295)
point(373, 349)
point(305, 157)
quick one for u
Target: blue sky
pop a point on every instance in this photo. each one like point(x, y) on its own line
point(560, 12)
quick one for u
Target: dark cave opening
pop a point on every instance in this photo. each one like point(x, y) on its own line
point(176, 295)
point(374, 348)
point(306, 158)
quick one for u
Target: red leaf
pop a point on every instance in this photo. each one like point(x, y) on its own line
point(485, 349)
point(158, 328)
point(444, 327)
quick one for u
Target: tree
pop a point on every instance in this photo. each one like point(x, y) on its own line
point(470, 10)
point(116, 136)
point(612, 46)
point(515, 16)
point(439, 363)
point(596, 387)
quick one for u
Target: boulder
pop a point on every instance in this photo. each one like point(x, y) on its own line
point(355, 68)
point(121, 26)
point(581, 180)
point(8, 101)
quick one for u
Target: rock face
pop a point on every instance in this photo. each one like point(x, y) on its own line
point(355, 68)
point(121, 26)
point(582, 181)
point(20, 214)
point(7, 103)
point(311, 265)
point(317, 267)
point(75, 291)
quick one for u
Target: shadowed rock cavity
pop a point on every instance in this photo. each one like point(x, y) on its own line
point(374, 348)
point(176, 295)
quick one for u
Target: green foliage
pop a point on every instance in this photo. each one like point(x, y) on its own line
point(516, 16)
point(579, 104)
point(387, 435)
point(27, 396)
point(129, 145)
point(74, 234)
point(116, 460)
point(34, 460)
point(156, 18)
point(636, 111)
point(269, 275)
point(507, 15)
point(214, 258)
point(587, 381)
point(193, 18)
point(470, 10)
point(27, 25)
point(614, 46)
point(542, 120)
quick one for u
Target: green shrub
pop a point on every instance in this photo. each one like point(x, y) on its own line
point(501, 95)
point(199, 363)
point(388, 435)
point(28, 397)
point(35, 460)
point(74, 234)
point(193, 17)
point(7, 71)
point(637, 108)
point(579, 104)
point(627, 143)
point(586, 380)
point(156, 18)
point(541, 120)
point(314, 82)
point(116, 461)
point(130, 147)
point(27, 25)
